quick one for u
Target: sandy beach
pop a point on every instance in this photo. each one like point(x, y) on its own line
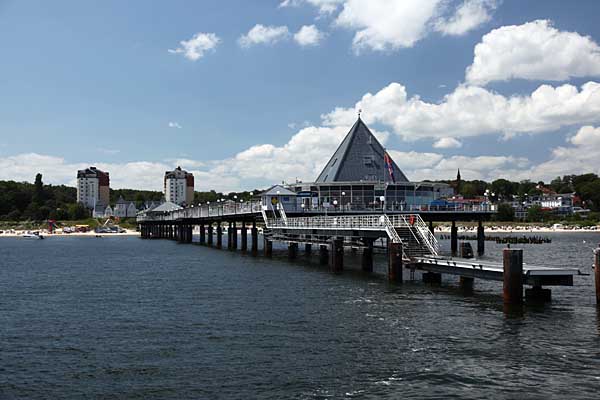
point(59, 233)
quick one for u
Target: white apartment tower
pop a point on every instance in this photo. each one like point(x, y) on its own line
point(93, 187)
point(179, 187)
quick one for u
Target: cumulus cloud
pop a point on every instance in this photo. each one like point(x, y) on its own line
point(261, 34)
point(447, 143)
point(473, 111)
point(175, 125)
point(197, 46)
point(324, 6)
point(536, 51)
point(308, 35)
point(387, 25)
point(468, 15)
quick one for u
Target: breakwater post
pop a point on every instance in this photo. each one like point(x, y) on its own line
point(513, 276)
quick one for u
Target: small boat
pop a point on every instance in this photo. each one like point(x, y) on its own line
point(32, 235)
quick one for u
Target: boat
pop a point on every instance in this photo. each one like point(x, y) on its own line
point(32, 235)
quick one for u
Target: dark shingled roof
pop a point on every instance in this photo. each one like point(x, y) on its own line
point(359, 158)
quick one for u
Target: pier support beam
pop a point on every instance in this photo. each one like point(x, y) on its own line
point(336, 256)
point(454, 239)
point(597, 273)
point(268, 248)
point(219, 236)
point(480, 239)
point(244, 233)
point(513, 276)
point(210, 235)
point(292, 250)
point(323, 254)
point(254, 234)
point(395, 262)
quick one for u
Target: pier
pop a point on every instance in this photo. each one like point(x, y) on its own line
point(361, 197)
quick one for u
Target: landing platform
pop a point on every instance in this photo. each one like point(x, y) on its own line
point(533, 275)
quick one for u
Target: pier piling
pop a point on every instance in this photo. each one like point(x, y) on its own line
point(244, 234)
point(454, 239)
point(367, 256)
point(395, 262)
point(323, 254)
point(254, 234)
point(210, 235)
point(513, 276)
point(466, 284)
point(219, 235)
point(234, 241)
point(307, 249)
point(268, 248)
point(480, 239)
point(336, 256)
point(292, 250)
point(432, 277)
point(202, 235)
point(230, 237)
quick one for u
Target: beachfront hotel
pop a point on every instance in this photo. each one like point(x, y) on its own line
point(93, 187)
point(179, 187)
point(360, 175)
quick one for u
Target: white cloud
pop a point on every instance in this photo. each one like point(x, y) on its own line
point(175, 125)
point(473, 111)
point(535, 50)
point(387, 25)
point(447, 143)
point(308, 35)
point(324, 6)
point(108, 151)
point(197, 46)
point(468, 15)
point(261, 34)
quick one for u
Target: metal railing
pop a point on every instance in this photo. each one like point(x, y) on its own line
point(204, 211)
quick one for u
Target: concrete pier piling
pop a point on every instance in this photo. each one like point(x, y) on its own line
point(395, 262)
point(336, 256)
point(244, 235)
point(513, 276)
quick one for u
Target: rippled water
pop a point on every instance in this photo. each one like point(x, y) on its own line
point(128, 318)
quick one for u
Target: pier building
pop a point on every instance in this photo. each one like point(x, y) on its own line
point(179, 186)
point(93, 187)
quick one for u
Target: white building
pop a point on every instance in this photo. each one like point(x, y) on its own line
point(125, 209)
point(179, 187)
point(93, 187)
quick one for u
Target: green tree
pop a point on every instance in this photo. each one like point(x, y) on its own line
point(535, 213)
point(77, 211)
point(505, 212)
point(38, 197)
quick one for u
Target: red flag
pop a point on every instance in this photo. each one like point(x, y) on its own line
point(390, 167)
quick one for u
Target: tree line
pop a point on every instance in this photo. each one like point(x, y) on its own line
point(21, 201)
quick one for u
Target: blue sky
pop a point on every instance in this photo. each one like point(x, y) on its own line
point(95, 83)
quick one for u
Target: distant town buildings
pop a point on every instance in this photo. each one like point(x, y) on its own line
point(179, 187)
point(93, 187)
point(125, 209)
